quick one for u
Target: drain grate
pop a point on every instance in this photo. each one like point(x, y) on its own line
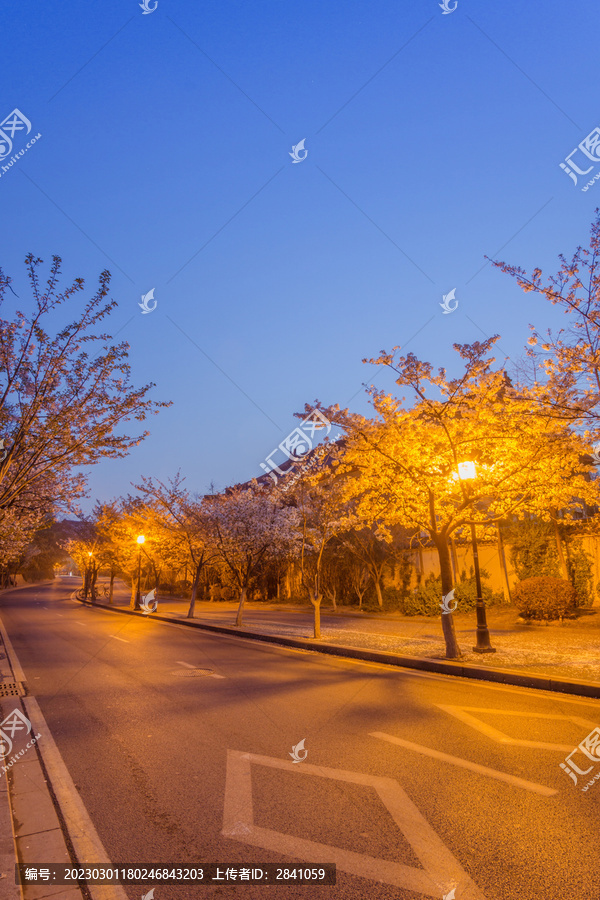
point(192, 673)
point(10, 689)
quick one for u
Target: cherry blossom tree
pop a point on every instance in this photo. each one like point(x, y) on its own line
point(64, 395)
point(186, 521)
point(249, 526)
point(404, 463)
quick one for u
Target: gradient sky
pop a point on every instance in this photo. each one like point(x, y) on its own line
point(432, 141)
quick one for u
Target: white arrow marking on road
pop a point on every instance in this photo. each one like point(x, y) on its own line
point(460, 712)
point(441, 870)
point(190, 666)
point(465, 764)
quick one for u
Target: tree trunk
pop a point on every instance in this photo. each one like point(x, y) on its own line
point(238, 620)
point(134, 586)
point(378, 591)
point(316, 602)
point(333, 598)
point(421, 562)
point(93, 584)
point(454, 561)
point(452, 648)
point(503, 567)
point(112, 586)
point(559, 550)
point(190, 614)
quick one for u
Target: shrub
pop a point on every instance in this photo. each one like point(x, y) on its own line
point(543, 597)
point(579, 564)
point(532, 548)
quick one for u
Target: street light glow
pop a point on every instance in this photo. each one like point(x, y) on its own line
point(466, 471)
point(141, 539)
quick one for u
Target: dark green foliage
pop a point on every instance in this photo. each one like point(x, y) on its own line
point(532, 548)
point(425, 600)
point(544, 597)
point(579, 564)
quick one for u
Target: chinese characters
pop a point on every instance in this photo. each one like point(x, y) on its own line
point(298, 443)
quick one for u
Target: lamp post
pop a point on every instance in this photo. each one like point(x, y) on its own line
point(140, 541)
point(88, 575)
point(467, 472)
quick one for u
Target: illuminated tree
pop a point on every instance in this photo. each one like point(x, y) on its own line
point(320, 498)
point(185, 522)
point(404, 463)
point(248, 526)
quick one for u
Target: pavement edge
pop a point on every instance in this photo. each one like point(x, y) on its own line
point(48, 817)
point(440, 667)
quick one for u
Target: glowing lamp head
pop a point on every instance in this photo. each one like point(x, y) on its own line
point(90, 553)
point(466, 471)
point(141, 539)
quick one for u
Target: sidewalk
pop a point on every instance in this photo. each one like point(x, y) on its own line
point(569, 651)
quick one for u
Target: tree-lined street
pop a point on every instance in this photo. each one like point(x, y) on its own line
point(147, 746)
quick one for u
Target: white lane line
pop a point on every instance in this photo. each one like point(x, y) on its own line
point(465, 764)
point(190, 666)
point(440, 868)
point(85, 839)
point(81, 623)
point(125, 641)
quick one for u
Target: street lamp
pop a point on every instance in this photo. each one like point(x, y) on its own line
point(140, 541)
point(467, 472)
point(89, 575)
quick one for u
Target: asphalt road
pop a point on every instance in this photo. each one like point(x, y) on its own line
point(390, 787)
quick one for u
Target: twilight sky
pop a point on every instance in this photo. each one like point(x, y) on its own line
point(432, 140)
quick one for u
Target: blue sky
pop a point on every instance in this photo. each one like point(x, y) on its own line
point(432, 141)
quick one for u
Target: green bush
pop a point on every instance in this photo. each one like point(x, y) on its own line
point(544, 597)
point(532, 548)
point(426, 599)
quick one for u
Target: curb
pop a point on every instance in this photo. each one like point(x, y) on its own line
point(440, 667)
point(49, 820)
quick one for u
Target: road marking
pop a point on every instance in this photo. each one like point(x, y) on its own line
point(441, 870)
point(190, 666)
point(85, 839)
point(465, 764)
point(125, 641)
point(80, 623)
point(463, 714)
